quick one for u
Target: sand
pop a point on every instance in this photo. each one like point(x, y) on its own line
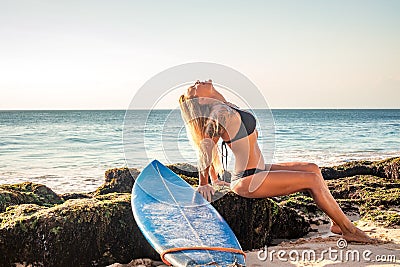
point(385, 253)
point(300, 252)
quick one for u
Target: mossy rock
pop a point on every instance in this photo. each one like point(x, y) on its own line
point(68, 196)
point(384, 217)
point(27, 193)
point(365, 188)
point(79, 232)
point(363, 194)
point(13, 213)
point(101, 230)
point(184, 169)
point(118, 180)
point(193, 181)
point(256, 222)
point(300, 201)
point(388, 168)
point(41, 228)
point(373, 196)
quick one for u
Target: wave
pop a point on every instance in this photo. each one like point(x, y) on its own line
point(78, 140)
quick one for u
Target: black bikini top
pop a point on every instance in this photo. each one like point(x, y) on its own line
point(247, 126)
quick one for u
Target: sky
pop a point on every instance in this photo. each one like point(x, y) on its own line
point(95, 54)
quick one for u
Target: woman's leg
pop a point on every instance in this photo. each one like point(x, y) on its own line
point(295, 166)
point(308, 167)
point(285, 182)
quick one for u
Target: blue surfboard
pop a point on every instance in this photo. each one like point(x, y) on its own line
point(179, 223)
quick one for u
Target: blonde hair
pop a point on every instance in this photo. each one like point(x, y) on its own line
point(200, 127)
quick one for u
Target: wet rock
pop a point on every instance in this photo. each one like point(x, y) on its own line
point(383, 216)
point(79, 232)
point(184, 169)
point(256, 222)
point(389, 168)
point(23, 193)
point(118, 180)
point(42, 228)
point(68, 196)
point(373, 198)
point(99, 231)
point(348, 169)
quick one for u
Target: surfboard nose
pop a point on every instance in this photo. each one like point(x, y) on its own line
point(155, 162)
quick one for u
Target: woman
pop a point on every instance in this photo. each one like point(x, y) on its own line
point(209, 117)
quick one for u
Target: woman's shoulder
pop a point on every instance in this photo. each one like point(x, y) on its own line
point(231, 105)
point(223, 109)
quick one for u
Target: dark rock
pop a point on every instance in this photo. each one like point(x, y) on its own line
point(389, 168)
point(79, 232)
point(256, 222)
point(373, 198)
point(23, 193)
point(101, 230)
point(348, 169)
point(41, 228)
point(304, 205)
point(385, 217)
point(121, 180)
point(184, 169)
point(68, 196)
point(118, 180)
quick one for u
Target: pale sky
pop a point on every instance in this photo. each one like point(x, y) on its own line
point(92, 54)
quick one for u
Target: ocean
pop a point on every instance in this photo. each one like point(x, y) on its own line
point(69, 151)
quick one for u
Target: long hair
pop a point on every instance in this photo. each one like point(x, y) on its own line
point(198, 121)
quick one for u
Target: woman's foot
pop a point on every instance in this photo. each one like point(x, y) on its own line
point(335, 228)
point(356, 235)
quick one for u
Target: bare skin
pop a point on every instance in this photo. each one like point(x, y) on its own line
point(285, 182)
point(307, 167)
point(281, 179)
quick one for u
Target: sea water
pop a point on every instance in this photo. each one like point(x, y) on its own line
point(71, 150)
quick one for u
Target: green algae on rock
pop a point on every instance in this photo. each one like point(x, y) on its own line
point(373, 198)
point(388, 168)
point(101, 230)
point(376, 198)
point(42, 228)
point(118, 180)
point(256, 222)
point(79, 232)
point(184, 169)
point(23, 193)
point(382, 217)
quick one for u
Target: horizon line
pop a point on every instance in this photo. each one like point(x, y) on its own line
point(278, 108)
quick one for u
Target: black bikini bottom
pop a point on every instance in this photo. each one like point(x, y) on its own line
point(246, 173)
point(236, 177)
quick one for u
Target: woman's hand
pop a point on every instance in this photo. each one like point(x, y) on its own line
point(214, 178)
point(220, 183)
point(206, 191)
